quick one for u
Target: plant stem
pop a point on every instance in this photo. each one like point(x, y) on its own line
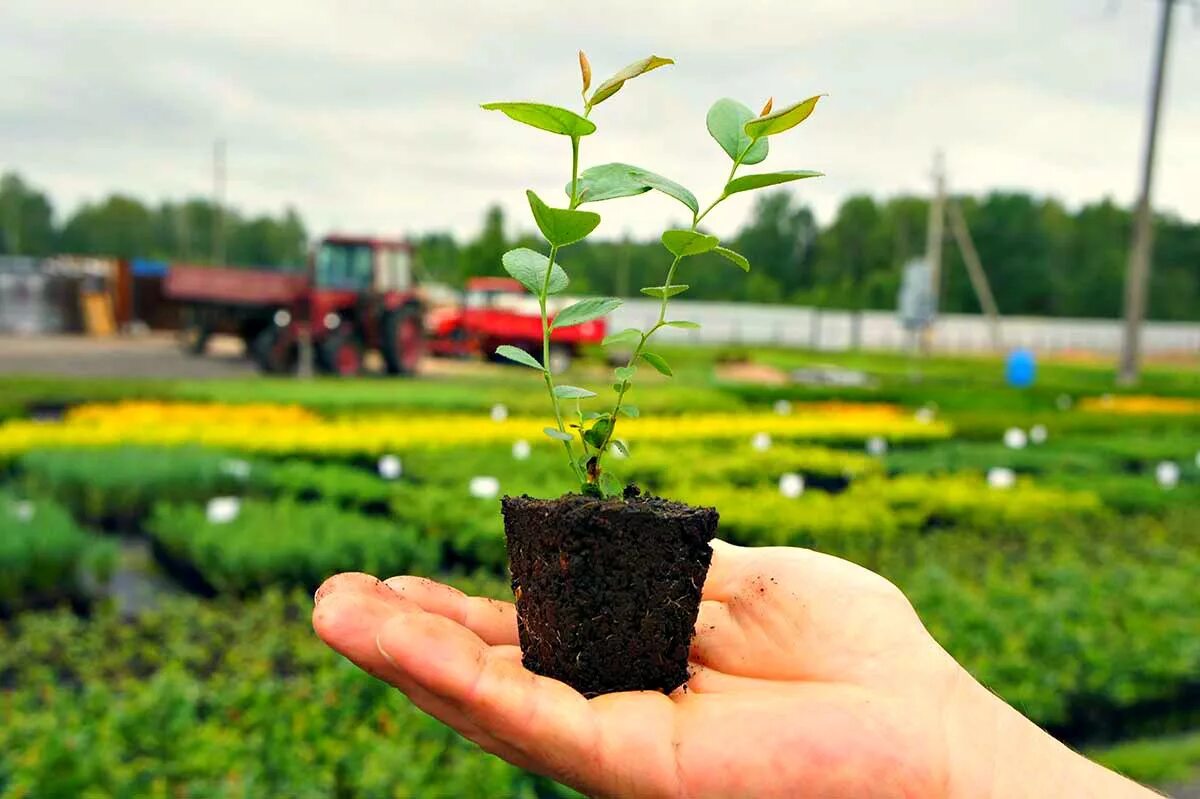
point(558, 417)
point(574, 172)
point(662, 312)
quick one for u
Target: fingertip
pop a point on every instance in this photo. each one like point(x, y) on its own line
point(345, 581)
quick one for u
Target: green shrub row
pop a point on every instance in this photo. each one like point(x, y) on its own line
point(287, 543)
point(877, 513)
point(221, 699)
point(1077, 629)
point(45, 556)
point(117, 486)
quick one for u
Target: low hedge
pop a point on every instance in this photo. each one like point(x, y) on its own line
point(117, 486)
point(45, 557)
point(286, 543)
point(875, 513)
point(220, 699)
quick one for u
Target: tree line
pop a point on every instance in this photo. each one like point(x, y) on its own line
point(1041, 257)
point(121, 226)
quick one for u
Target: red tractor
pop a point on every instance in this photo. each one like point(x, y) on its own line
point(358, 294)
point(498, 310)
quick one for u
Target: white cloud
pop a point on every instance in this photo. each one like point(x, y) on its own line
point(364, 115)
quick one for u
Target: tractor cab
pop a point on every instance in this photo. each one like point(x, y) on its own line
point(361, 295)
point(363, 265)
point(364, 297)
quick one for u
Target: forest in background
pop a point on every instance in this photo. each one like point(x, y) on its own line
point(1042, 258)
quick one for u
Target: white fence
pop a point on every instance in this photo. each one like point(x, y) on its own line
point(823, 329)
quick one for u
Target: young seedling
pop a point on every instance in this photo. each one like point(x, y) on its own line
point(741, 133)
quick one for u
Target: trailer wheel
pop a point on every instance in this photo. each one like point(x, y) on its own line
point(560, 358)
point(195, 333)
point(275, 351)
point(403, 341)
point(340, 354)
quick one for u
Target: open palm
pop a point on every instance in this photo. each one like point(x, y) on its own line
point(810, 677)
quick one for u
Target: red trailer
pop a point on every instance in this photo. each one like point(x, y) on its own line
point(498, 310)
point(358, 294)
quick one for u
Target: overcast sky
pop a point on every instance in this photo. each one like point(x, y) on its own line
point(364, 114)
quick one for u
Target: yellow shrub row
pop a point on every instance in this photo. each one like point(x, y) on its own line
point(1141, 404)
point(288, 429)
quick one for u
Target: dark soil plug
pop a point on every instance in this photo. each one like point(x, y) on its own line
point(608, 590)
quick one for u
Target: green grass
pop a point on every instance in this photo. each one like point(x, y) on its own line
point(1157, 761)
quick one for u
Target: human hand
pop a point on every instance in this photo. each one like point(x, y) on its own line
point(811, 677)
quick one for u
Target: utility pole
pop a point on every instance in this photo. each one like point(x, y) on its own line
point(218, 232)
point(1137, 275)
point(935, 233)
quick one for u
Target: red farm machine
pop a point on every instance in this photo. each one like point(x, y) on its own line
point(358, 294)
point(498, 310)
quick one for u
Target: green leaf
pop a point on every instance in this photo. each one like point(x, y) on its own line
point(519, 355)
point(614, 84)
point(610, 485)
point(610, 181)
point(750, 182)
point(781, 120)
point(625, 373)
point(572, 392)
point(631, 411)
point(545, 117)
point(529, 267)
point(561, 226)
point(557, 434)
point(619, 387)
point(600, 430)
point(726, 122)
point(662, 292)
point(630, 335)
point(739, 259)
point(683, 324)
point(592, 415)
point(658, 362)
point(688, 242)
point(584, 311)
point(620, 445)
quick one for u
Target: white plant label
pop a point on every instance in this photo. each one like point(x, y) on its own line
point(222, 510)
point(236, 468)
point(791, 485)
point(23, 511)
point(390, 467)
point(483, 487)
point(1015, 438)
point(1001, 477)
point(1167, 474)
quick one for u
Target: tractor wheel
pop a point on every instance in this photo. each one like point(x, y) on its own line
point(195, 333)
point(340, 354)
point(275, 351)
point(403, 341)
point(560, 359)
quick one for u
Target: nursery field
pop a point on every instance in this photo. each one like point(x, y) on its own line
point(159, 542)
